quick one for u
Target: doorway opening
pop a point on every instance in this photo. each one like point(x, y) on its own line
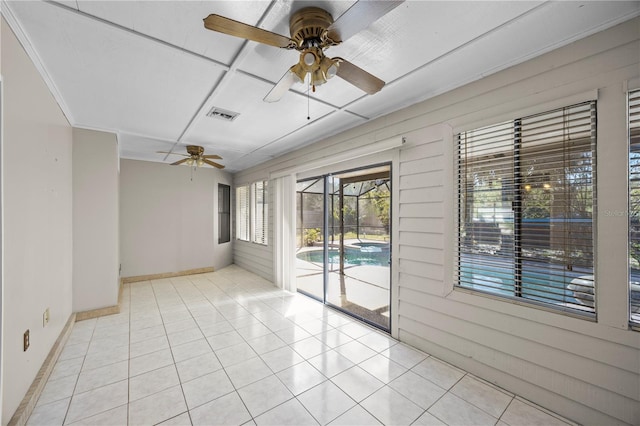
point(343, 242)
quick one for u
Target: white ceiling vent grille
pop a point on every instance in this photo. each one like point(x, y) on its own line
point(222, 114)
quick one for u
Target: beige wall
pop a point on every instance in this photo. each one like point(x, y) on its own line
point(37, 213)
point(586, 370)
point(95, 220)
point(168, 221)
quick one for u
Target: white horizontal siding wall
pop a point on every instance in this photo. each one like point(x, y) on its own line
point(586, 370)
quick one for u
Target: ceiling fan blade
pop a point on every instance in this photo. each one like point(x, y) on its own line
point(238, 29)
point(359, 77)
point(214, 156)
point(282, 86)
point(211, 163)
point(172, 153)
point(184, 160)
point(358, 17)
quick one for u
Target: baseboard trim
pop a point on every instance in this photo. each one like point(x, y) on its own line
point(26, 407)
point(101, 312)
point(95, 313)
point(139, 278)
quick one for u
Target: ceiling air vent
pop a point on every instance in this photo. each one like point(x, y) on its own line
point(222, 114)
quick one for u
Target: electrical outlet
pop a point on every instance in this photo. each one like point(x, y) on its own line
point(25, 341)
point(45, 317)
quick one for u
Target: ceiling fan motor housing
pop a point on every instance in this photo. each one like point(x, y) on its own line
point(309, 25)
point(195, 150)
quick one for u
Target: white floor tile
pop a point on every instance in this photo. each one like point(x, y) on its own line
point(455, 411)
point(266, 343)
point(190, 350)
point(355, 351)
point(148, 346)
point(482, 395)
point(148, 362)
point(357, 383)
point(382, 368)
point(67, 367)
point(51, 414)
point(377, 341)
point(333, 338)
point(115, 416)
point(206, 388)
point(152, 382)
point(92, 379)
point(264, 395)
point(58, 389)
point(520, 413)
point(235, 354)
point(427, 419)
point(226, 410)
point(97, 401)
point(193, 368)
point(331, 363)
point(157, 407)
point(440, 373)
point(281, 359)
point(301, 377)
point(154, 360)
point(179, 420)
point(404, 355)
point(326, 402)
point(356, 416)
point(290, 413)
point(247, 372)
point(309, 347)
point(224, 340)
point(391, 408)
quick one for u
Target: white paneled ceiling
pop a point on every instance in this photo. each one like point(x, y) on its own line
point(150, 71)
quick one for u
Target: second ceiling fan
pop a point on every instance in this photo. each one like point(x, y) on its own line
point(312, 31)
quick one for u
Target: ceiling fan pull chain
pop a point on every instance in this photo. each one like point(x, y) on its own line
point(308, 108)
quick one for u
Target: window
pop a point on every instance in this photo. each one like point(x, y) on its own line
point(260, 207)
point(224, 213)
point(634, 207)
point(526, 197)
point(252, 210)
point(242, 213)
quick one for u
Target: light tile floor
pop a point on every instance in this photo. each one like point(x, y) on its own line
point(229, 348)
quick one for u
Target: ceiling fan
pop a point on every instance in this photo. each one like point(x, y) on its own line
point(312, 31)
point(195, 156)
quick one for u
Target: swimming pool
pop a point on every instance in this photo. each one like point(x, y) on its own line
point(367, 254)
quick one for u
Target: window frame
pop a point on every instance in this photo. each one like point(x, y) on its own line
point(224, 213)
point(252, 212)
point(513, 153)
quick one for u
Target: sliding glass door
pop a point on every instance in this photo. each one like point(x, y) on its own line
point(344, 241)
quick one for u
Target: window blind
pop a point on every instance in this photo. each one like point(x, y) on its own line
point(242, 213)
point(526, 196)
point(634, 206)
point(224, 213)
point(260, 211)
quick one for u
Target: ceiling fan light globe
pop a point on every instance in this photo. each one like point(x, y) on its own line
point(190, 162)
point(318, 77)
point(309, 58)
point(299, 71)
point(200, 162)
point(332, 71)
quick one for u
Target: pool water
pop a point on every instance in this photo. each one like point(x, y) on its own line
point(366, 255)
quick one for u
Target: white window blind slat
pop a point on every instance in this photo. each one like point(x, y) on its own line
point(526, 199)
point(634, 206)
point(242, 213)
